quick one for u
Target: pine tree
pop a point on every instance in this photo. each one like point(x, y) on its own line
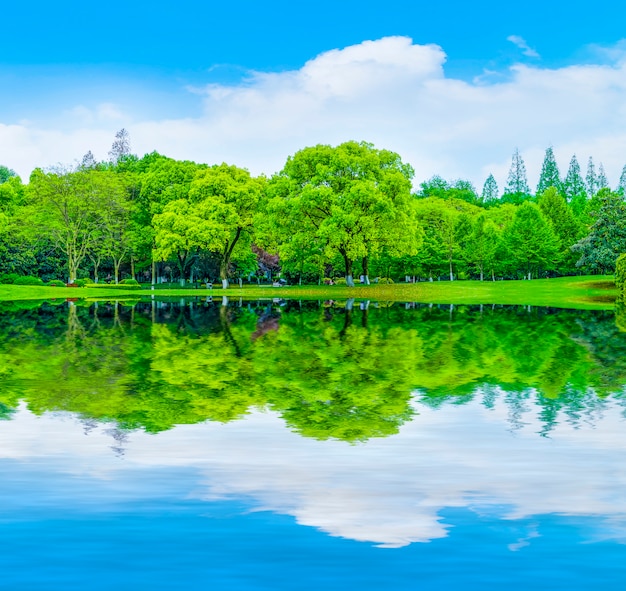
point(549, 176)
point(517, 181)
point(591, 178)
point(603, 182)
point(490, 190)
point(574, 185)
point(621, 186)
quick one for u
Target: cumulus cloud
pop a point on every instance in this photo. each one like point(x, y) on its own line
point(521, 43)
point(391, 92)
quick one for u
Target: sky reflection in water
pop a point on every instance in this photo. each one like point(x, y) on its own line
point(514, 475)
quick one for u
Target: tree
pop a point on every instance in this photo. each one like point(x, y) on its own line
point(6, 174)
point(531, 240)
point(482, 245)
point(351, 199)
point(591, 179)
point(231, 197)
point(603, 182)
point(549, 176)
point(607, 238)
point(554, 208)
point(574, 185)
point(88, 161)
point(67, 206)
point(621, 187)
point(516, 189)
point(120, 148)
point(490, 192)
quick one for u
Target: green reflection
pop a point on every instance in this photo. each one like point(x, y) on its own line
point(340, 370)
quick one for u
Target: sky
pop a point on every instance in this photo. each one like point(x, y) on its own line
point(452, 87)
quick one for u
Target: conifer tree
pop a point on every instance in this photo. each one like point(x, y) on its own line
point(517, 181)
point(490, 190)
point(603, 182)
point(549, 176)
point(591, 178)
point(574, 185)
point(621, 186)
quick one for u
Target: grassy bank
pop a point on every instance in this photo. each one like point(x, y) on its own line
point(590, 292)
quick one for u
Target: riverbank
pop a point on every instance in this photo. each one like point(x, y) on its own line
point(587, 292)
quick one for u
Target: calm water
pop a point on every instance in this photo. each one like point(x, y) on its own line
point(287, 445)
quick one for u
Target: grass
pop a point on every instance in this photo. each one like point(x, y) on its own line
point(590, 292)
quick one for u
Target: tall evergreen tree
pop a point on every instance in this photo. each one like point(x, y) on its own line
point(517, 181)
point(621, 186)
point(603, 182)
point(574, 185)
point(490, 190)
point(549, 176)
point(591, 178)
point(121, 146)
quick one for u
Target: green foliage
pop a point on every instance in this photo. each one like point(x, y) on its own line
point(490, 192)
point(129, 282)
point(574, 185)
point(549, 176)
point(9, 278)
point(516, 189)
point(27, 281)
point(531, 241)
point(620, 273)
point(56, 283)
point(114, 286)
point(606, 240)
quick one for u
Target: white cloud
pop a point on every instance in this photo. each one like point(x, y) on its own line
point(387, 491)
point(521, 43)
point(391, 92)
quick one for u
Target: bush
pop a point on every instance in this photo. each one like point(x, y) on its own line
point(56, 283)
point(87, 281)
point(340, 281)
point(9, 278)
point(620, 272)
point(385, 281)
point(129, 282)
point(28, 281)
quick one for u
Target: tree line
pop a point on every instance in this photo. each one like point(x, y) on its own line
point(344, 211)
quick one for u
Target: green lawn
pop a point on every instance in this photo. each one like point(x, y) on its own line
point(591, 292)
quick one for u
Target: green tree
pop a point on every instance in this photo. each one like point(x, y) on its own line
point(68, 207)
point(549, 176)
point(6, 173)
point(606, 240)
point(574, 185)
point(567, 229)
point(231, 198)
point(351, 199)
point(490, 192)
point(516, 189)
point(591, 179)
point(482, 245)
point(531, 240)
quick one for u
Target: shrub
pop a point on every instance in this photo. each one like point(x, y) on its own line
point(620, 272)
point(9, 278)
point(340, 281)
point(129, 282)
point(87, 281)
point(56, 283)
point(79, 283)
point(28, 281)
point(385, 280)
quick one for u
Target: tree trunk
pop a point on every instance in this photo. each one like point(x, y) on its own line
point(153, 278)
point(481, 273)
point(366, 272)
point(132, 266)
point(224, 272)
point(451, 273)
point(348, 265)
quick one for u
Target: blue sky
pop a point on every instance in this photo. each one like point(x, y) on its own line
point(73, 73)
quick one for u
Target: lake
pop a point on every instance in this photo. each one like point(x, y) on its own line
point(199, 443)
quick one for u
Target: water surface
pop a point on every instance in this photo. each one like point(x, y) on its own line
point(289, 445)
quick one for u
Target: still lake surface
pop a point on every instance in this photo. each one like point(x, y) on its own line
point(309, 445)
